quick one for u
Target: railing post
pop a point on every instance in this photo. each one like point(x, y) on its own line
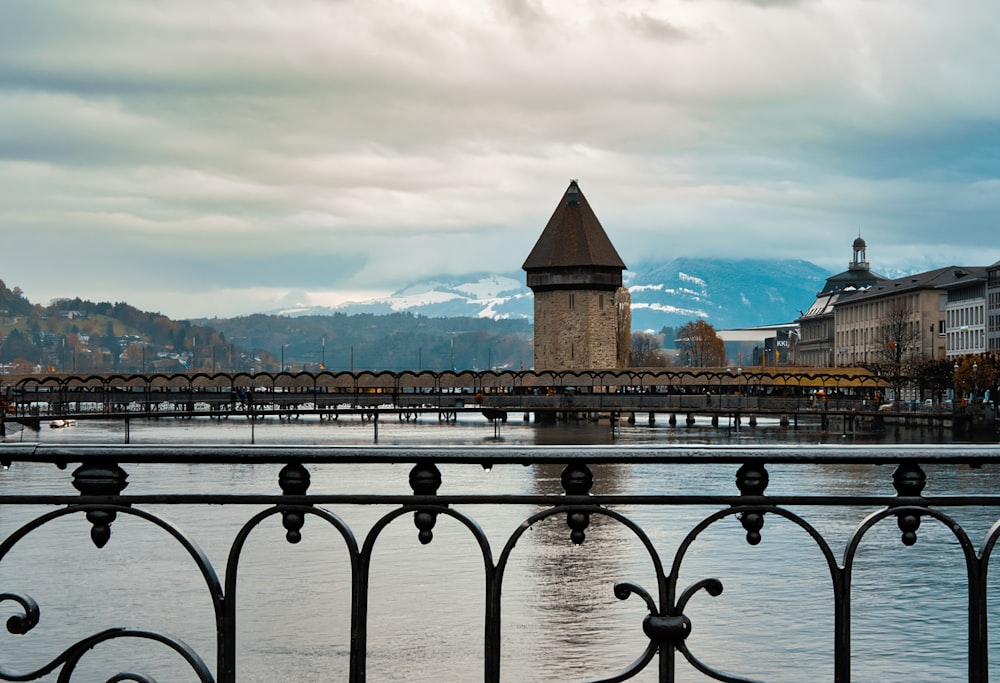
point(94, 479)
point(425, 480)
point(294, 481)
point(577, 480)
point(909, 481)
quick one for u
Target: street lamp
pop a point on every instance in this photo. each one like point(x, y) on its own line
point(975, 380)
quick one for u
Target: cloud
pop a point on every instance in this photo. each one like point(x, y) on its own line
point(278, 146)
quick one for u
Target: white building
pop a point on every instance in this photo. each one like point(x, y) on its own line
point(965, 314)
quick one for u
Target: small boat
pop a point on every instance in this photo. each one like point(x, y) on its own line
point(59, 424)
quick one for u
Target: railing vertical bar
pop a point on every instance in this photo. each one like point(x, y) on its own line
point(359, 620)
point(978, 631)
point(842, 626)
point(667, 661)
point(491, 651)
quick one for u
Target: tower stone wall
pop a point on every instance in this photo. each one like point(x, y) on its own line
point(575, 329)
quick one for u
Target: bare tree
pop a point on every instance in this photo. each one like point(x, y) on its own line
point(623, 302)
point(700, 346)
point(897, 342)
point(647, 351)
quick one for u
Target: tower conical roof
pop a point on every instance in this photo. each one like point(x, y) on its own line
point(573, 238)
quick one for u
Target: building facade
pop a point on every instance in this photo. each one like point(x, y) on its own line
point(993, 307)
point(906, 317)
point(816, 347)
point(575, 273)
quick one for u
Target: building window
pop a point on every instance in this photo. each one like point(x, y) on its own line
point(572, 301)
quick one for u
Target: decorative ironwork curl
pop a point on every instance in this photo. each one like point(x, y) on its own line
point(622, 590)
point(714, 587)
point(137, 678)
point(19, 624)
point(32, 613)
point(70, 658)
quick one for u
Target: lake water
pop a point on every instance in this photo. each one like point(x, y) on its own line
point(561, 620)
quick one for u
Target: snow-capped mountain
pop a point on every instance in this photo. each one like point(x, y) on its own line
point(726, 293)
point(477, 295)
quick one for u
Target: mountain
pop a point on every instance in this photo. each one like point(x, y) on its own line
point(725, 293)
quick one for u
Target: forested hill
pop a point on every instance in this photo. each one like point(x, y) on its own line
point(396, 341)
point(76, 335)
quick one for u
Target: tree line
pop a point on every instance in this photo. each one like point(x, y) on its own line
point(694, 344)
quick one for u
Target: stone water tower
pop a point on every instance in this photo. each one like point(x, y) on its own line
point(576, 276)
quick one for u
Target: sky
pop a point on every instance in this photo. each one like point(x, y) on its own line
point(224, 157)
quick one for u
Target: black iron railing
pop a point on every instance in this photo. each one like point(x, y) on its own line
point(663, 623)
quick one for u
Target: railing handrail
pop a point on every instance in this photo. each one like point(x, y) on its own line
point(63, 453)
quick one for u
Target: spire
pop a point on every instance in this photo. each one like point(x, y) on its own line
point(573, 238)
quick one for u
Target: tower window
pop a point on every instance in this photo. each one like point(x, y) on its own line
point(572, 301)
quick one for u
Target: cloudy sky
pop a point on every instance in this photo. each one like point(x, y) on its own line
point(214, 157)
